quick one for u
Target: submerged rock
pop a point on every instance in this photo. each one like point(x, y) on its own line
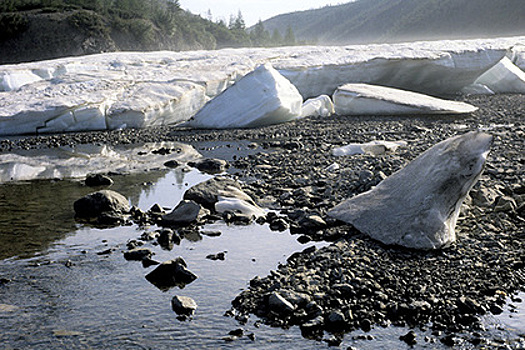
point(262, 97)
point(418, 206)
point(363, 99)
point(105, 201)
point(93, 180)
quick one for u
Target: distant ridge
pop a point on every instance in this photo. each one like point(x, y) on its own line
point(372, 21)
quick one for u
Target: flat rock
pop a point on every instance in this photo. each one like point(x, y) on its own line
point(210, 166)
point(417, 207)
point(364, 99)
point(186, 212)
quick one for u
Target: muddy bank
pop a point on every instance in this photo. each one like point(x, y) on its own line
point(357, 283)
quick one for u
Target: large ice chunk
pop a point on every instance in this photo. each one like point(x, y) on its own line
point(320, 106)
point(504, 77)
point(376, 147)
point(263, 97)
point(363, 99)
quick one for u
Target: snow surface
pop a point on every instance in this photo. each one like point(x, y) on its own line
point(139, 89)
point(263, 97)
point(363, 99)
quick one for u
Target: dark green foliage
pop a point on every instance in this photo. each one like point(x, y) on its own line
point(12, 24)
point(152, 24)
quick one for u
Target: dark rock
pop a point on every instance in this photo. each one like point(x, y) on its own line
point(210, 166)
point(449, 340)
point(218, 256)
point(366, 325)
point(138, 254)
point(279, 224)
point(170, 274)
point(147, 262)
point(167, 239)
point(94, 180)
point(171, 164)
point(105, 201)
point(156, 209)
point(184, 306)
point(279, 304)
point(211, 233)
point(185, 213)
point(239, 332)
point(409, 338)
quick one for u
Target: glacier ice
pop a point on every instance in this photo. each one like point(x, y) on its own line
point(262, 97)
point(364, 99)
point(320, 106)
point(504, 77)
point(376, 147)
point(138, 89)
point(77, 162)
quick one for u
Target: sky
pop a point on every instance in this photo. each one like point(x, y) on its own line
point(252, 10)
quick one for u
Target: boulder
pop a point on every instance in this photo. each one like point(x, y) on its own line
point(417, 207)
point(262, 97)
point(138, 254)
point(364, 99)
point(170, 274)
point(93, 180)
point(185, 213)
point(207, 193)
point(105, 201)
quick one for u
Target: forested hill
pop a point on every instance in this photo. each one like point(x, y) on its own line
point(45, 29)
point(365, 21)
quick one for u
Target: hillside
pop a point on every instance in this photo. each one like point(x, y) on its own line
point(44, 29)
point(366, 21)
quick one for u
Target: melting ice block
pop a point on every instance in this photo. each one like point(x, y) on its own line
point(262, 97)
point(321, 106)
point(364, 99)
point(504, 77)
point(373, 147)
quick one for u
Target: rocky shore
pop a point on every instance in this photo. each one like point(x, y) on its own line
point(355, 282)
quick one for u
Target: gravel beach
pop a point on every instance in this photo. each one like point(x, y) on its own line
point(355, 282)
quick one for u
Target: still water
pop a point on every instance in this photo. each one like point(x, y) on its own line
point(61, 294)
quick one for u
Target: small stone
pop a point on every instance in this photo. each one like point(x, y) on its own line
point(210, 166)
point(170, 274)
point(171, 164)
point(239, 332)
point(138, 254)
point(218, 256)
point(366, 325)
point(183, 305)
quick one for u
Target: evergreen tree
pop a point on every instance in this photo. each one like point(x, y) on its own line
point(289, 37)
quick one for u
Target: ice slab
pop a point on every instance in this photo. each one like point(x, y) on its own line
point(263, 97)
point(321, 106)
point(375, 148)
point(138, 89)
point(504, 77)
point(364, 99)
point(77, 162)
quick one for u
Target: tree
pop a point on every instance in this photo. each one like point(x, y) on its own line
point(289, 37)
point(260, 36)
point(237, 23)
point(277, 38)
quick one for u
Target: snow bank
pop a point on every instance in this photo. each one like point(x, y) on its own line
point(364, 99)
point(132, 89)
point(263, 97)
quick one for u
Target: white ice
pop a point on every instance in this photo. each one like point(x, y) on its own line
point(77, 162)
point(321, 106)
point(263, 97)
point(364, 99)
point(238, 206)
point(504, 77)
point(377, 147)
point(139, 89)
